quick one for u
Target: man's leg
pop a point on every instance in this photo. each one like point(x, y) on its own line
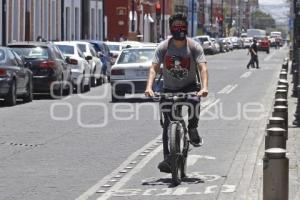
point(164, 166)
point(194, 113)
point(256, 60)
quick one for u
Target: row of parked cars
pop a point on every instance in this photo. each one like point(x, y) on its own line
point(55, 68)
point(60, 67)
point(219, 45)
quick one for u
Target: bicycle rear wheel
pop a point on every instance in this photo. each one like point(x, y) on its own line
point(176, 143)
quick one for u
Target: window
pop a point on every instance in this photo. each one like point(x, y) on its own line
point(31, 52)
point(77, 24)
point(92, 50)
point(66, 49)
point(12, 57)
point(57, 53)
point(53, 20)
point(18, 59)
point(15, 20)
point(67, 25)
point(80, 53)
point(82, 47)
point(121, 11)
point(45, 19)
point(37, 18)
point(2, 55)
point(93, 25)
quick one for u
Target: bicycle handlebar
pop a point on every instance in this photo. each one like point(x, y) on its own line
point(178, 96)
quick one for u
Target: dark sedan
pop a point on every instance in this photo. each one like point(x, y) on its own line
point(15, 78)
point(48, 65)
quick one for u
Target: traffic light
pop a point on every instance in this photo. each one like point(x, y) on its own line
point(158, 10)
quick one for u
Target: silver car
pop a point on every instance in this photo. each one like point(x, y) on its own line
point(130, 72)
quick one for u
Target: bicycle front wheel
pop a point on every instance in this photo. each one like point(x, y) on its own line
point(176, 143)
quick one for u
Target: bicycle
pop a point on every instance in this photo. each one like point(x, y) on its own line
point(178, 135)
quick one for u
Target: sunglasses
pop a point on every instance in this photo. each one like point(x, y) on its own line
point(179, 28)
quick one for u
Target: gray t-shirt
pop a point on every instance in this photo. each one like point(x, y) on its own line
point(179, 68)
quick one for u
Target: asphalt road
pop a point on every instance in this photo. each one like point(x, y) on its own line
point(85, 147)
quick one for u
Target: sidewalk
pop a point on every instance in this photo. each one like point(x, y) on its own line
point(293, 148)
point(255, 191)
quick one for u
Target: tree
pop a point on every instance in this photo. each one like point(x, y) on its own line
point(263, 20)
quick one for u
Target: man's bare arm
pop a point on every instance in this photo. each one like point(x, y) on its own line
point(154, 69)
point(204, 79)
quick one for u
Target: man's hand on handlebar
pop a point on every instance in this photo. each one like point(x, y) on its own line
point(203, 92)
point(149, 93)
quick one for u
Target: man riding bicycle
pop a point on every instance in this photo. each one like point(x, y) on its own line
point(182, 59)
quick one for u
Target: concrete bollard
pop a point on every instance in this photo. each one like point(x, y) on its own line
point(276, 138)
point(281, 111)
point(285, 65)
point(281, 87)
point(283, 82)
point(276, 122)
point(281, 102)
point(281, 94)
point(275, 175)
point(283, 75)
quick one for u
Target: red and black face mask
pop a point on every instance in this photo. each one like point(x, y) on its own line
point(179, 32)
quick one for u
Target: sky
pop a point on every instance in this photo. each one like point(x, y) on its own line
point(271, 1)
point(279, 9)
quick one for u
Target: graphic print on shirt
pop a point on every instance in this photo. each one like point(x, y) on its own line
point(178, 67)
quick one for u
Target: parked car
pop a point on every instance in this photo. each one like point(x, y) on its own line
point(263, 43)
point(229, 43)
point(129, 74)
point(218, 45)
point(15, 78)
point(207, 44)
point(105, 56)
point(94, 61)
point(225, 45)
point(236, 42)
point(115, 49)
point(80, 68)
point(48, 65)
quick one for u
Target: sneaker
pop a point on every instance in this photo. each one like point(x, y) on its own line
point(165, 166)
point(195, 139)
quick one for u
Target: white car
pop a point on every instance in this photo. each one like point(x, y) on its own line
point(95, 63)
point(115, 49)
point(247, 42)
point(207, 44)
point(130, 73)
point(80, 67)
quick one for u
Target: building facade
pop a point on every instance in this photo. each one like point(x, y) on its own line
point(26, 20)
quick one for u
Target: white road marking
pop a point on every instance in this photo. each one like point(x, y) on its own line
point(231, 89)
point(270, 56)
point(246, 74)
point(192, 159)
point(225, 89)
point(91, 191)
point(128, 176)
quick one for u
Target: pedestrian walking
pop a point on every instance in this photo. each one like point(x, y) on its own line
point(254, 57)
